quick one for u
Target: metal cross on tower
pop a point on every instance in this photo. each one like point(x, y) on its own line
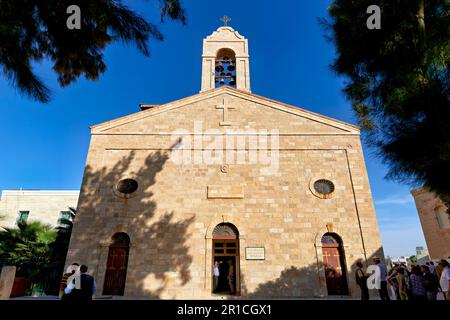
point(225, 20)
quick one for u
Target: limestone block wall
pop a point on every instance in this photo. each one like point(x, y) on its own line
point(171, 217)
point(437, 235)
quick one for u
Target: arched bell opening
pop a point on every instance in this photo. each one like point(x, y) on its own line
point(225, 68)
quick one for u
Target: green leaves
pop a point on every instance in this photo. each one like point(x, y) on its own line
point(28, 246)
point(31, 30)
point(398, 83)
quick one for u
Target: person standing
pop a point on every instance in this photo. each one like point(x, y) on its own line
point(384, 295)
point(401, 281)
point(87, 286)
point(231, 276)
point(444, 281)
point(65, 277)
point(216, 274)
point(361, 280)
point(431, 283)
point(392, 280)
point(417, 284)
point(432, 268)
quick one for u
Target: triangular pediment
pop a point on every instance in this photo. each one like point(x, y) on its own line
point(244, 111)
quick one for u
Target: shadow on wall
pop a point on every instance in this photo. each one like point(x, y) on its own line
point(159, 253)
point(158, 242)
point(292, 282)
point(306, 282)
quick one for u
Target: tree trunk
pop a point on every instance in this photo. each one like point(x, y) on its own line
point(421, 45)
point(421, 18)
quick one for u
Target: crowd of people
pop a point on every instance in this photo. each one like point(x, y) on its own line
point(414, 282)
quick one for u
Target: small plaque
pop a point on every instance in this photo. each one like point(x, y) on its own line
point(255, 253)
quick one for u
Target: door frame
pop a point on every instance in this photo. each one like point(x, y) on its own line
point(112, 247)
point(236, 256)
point(340, 250)
point(342, 258)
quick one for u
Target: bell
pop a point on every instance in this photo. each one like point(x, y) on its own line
point(222, 74)
point(233, 81)
point(225, 58)
point(222, 81)
point(229, 74)
point(219, 67)
point(232, 66)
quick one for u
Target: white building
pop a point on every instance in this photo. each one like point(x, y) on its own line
point(46, 206)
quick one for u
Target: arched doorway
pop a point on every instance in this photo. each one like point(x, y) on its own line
point(334, 264)
point(226, 254)
point(116, 265)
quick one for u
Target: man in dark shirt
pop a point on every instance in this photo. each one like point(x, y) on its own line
point(87, 286)
point(431, 283)
point(361, 280)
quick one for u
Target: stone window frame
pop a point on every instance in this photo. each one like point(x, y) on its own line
point(125, 195)
point(318, 194)
point(21, 213)
point(436, 213)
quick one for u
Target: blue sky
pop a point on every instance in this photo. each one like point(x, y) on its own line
point(45, 146)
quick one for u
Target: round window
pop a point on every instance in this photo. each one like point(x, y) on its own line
point(324, 187)
point(127, 186)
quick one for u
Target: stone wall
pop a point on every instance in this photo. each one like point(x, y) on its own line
point(437, 235)
point(171, 217)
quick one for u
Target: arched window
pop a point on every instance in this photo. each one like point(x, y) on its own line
point(120, 239)
point(225, 231)
point(225, 68)
point(331, 238)
point(442, 217)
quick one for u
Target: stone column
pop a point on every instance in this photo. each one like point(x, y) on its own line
point(7, 276)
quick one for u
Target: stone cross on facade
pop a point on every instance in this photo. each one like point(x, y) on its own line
point(225, 20)
point(225, 109)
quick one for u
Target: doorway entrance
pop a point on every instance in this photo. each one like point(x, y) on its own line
point(226, 259)
point(116, 265)
point(334, 264)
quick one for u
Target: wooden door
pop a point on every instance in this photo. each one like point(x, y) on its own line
point(116, 270)
point(226, 252)
point(334, 269)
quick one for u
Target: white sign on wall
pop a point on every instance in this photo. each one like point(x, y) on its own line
point(255, 253)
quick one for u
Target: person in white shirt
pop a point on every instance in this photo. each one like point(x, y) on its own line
point(384, 295)
point(216, 275)
point(87, 286)
point(444, 282)
point(432, 267)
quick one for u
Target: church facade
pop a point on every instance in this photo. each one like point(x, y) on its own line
point(277, 197)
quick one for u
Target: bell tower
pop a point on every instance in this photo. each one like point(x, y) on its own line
point(225, 59)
